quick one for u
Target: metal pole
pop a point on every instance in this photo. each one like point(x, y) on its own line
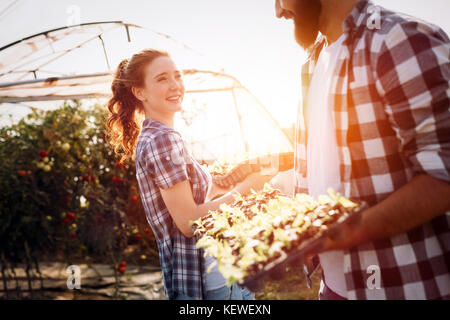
point(240, 121)
point(104, 50)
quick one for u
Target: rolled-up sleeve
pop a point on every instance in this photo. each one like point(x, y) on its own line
point(413, 79)
point(166, 160)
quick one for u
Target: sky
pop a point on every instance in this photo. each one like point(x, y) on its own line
point(243, 36)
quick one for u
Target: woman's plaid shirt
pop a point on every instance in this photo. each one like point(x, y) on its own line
point(392, 116)
point(162, 161)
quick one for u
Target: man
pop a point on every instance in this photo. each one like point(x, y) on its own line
point(375, 126)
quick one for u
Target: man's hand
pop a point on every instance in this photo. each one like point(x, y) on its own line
point(347, 237)
point(421, 200)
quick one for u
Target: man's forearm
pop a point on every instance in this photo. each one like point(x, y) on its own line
point(419, 201)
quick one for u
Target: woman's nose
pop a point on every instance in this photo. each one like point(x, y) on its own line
point(174, 85)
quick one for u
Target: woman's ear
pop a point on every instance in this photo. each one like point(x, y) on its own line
point(137, 92)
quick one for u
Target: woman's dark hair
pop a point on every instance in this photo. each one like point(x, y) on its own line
point(126, 112)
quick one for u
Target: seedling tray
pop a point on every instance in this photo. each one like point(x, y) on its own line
point(262, 232)
point(295, 257)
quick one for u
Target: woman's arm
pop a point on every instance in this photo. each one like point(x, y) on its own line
point(182, 207)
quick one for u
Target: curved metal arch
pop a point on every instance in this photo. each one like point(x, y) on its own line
point(61, 28)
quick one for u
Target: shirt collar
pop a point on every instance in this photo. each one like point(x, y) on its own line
point(150, 123)
point(357, 16)
point(355, 19)
point(315, 49)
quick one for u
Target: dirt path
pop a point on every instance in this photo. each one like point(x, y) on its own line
point(96, 280)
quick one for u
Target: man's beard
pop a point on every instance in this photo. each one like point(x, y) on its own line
point(306, 21)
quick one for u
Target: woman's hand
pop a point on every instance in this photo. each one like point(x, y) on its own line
point(255, 181)
point(217, 190)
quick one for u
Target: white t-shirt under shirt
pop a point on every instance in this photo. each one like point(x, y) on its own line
point(322, 151)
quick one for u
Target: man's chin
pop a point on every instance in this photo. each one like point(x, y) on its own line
point(305, 39)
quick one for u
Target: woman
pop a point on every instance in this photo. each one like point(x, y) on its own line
point(174, 188)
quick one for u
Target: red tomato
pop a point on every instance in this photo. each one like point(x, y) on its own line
point(22, 173)
point(121, 270)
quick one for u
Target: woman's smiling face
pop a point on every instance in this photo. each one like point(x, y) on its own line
point(163, 90)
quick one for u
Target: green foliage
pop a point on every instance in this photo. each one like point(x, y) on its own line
point(64, 196)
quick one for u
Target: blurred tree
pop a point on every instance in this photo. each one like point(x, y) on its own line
point(64, 196)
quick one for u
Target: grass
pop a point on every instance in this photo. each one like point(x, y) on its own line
point(291, 287)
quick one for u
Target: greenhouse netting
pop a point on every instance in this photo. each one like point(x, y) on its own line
point(221, 119)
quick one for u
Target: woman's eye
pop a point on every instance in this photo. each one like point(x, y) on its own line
point(162, 79)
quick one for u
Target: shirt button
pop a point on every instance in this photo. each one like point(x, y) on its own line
point(167, 158)
point(194, 185)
